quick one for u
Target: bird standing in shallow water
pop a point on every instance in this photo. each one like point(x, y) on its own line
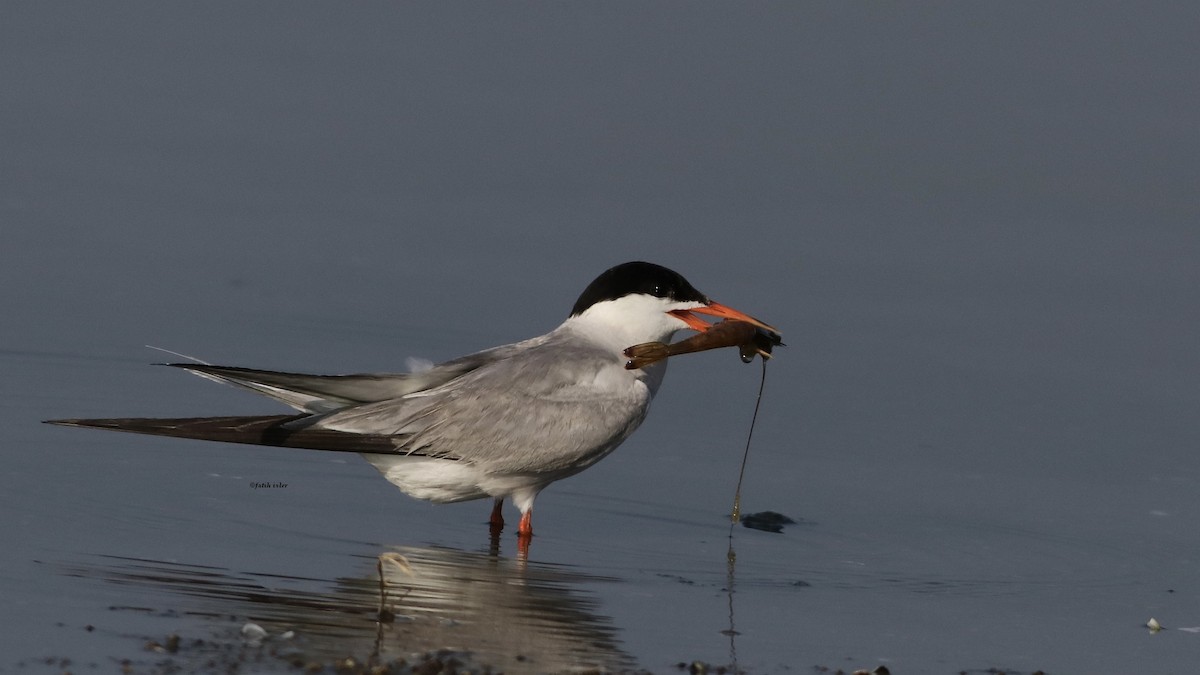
point(501, 423)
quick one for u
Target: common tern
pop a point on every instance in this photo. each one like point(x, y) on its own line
point(501, 423)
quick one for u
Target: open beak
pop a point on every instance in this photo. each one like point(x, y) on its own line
point(718, 310)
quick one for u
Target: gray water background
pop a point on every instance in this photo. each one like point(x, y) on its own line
point(976, 225)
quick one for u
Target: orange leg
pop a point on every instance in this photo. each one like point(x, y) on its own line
point(497, 519)
point(524, 535)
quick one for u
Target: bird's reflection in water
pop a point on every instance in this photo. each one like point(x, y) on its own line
point(512, 615)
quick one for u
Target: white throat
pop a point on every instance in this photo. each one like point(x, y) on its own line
point(629, 320)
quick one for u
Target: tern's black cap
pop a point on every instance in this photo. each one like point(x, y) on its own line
point(637, 277)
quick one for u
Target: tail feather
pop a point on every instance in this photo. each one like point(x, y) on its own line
point(309, 393)
point(271, 430)
point(323, 393)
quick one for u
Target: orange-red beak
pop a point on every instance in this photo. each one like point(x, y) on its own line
point(718, 310)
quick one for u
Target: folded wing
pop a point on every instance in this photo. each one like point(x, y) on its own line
point(325, 393)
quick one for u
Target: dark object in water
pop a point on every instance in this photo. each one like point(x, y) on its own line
point(767, 521)
point(748, 338)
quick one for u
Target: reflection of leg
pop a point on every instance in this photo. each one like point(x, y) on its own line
point(497, 519)
point(494, 541)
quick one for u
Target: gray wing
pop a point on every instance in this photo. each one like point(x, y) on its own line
point(539, 410)
point(324, 393)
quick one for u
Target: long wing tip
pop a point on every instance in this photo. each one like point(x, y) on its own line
point(95, 424)
point(270, 430)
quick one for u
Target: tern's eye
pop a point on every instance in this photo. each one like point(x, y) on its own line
point(659, 291)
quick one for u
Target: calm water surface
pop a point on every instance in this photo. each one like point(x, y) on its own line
point(975, 226)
